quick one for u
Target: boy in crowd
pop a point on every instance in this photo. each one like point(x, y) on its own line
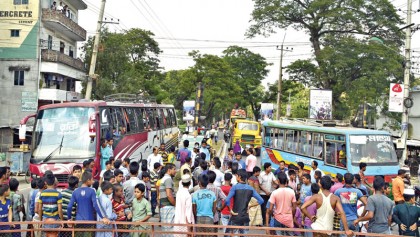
point(225, 212)
point(141, 210)
point(305, 188)
point(50, 205)
point(119, 177)
point(124, 167)
point(73, 182)
point(105, 206)
point(108, 166)
point(17, 202)
point(204, 204)
point(120, 208)
point(85, 197)
point(41, 187)
point(6, 214)
point(132, 182)
point(146, 179)
point(154, 175)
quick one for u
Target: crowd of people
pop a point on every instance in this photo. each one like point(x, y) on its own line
point(232, 191)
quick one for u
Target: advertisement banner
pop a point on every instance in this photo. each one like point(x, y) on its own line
point(396, 98)
point(29, 101)
point(266, 111)
point(189, 110)
point(320, 104)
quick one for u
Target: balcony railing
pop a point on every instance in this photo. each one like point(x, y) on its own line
point(58, 21)
point(48, 55)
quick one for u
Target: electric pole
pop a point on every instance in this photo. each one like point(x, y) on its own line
point(280, 79)
point(404, 119)
point(91, 75)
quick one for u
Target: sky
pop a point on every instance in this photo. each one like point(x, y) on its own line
point(211, 26)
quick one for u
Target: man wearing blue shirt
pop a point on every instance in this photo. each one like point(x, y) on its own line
point(204, 205)
point(87, 205)
point(241, 163)
point(183, 153)
point(241, 194)
point(204, 149)
point(349, 196)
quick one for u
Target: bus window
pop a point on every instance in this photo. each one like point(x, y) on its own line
point(280, 139)
point(274, 137)
point(305, 143)
point(165, 118)
point(150, 120)
point(267, 134)
point(330, 153)
point(139, 117)
point(132, 122)
point(318, 144)
point(119, 126)
point(105, 120)
point(291, 140)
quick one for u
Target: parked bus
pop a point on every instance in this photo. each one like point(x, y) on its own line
point(66, 134)
point(336, 149)
point(247, 133)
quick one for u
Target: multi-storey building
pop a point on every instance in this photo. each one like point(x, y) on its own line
point(38, 58)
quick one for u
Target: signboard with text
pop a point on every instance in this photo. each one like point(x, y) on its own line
point(267, 111)
point(189, 110)
point(320, 104)
point(396, 98)
point(29, 101)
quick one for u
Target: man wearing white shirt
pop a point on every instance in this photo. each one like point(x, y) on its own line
point(219, 174)
point(154, 158)
point(124, 167)
point(314, 166)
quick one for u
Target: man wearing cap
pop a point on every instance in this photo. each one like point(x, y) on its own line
point(407, 215)
point(183, 207)
point(398, 187)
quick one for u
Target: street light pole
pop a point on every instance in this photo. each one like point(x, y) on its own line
point(407, 64)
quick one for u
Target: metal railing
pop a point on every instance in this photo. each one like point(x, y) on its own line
point(89, 228)
point(49, 15)
point(48, 55)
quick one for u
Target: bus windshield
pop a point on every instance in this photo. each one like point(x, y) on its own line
point(372, 149)
point(248, 126)
point(63, 134)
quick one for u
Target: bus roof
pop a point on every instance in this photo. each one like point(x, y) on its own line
point(314, 128)
point(103, 103)
point(245, 121)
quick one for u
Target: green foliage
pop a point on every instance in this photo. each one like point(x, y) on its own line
point(352, 68)
point(249, 70)
point(126, 63)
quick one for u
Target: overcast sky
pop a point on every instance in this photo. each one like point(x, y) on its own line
point(210, 26)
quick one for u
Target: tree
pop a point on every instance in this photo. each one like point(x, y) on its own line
point(341, 60)
point(249, 70)
point(127, 63)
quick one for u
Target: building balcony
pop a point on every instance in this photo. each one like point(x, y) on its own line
point(57, 21)
point(58, 95)
point(48, 55)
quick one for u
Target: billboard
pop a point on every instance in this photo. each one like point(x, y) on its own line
point(266, 111)
point(396, 98)
point(320, 104)
point(188, 112)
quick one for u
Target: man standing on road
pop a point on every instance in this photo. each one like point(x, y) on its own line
point(267, 180)
point(407, 215)
point(241, 194)
point(241, 163)
point(153, 158)
point(326, 203)
point(349, 197)
point(183, 208)
point(250, 162)
point(183, 153)
point(314, 166)
point(379, 208)
point(285, 201)
point(167, 197)
point(398, 187)
point(204, 205)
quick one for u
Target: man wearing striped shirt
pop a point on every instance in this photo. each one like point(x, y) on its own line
point(50, 203)
point(66, 195)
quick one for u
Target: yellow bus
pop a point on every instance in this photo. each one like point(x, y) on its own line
point(247, 133)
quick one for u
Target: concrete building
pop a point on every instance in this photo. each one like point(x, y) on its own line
point(38, 59)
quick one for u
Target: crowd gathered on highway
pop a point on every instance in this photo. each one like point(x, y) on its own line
point(229, 191)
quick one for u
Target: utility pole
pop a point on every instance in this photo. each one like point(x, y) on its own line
point(404, 119)
point(280, 78)
point(91, 75)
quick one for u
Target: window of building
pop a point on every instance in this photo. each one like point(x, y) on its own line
point(19, 78)
point(14, 33)
point(71, 51)
point(62, 46)
point(20, 2)
point(50, 42)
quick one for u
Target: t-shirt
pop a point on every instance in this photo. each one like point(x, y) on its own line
point(50, 199)
point(251, 162)
point(66, 195)
point(305, 191)
point(311, 210)
point(183, 153)
point(349, 197)
point(241, 164)
point(141, 209)
point(166, 182)
point(171, 158)
point(87, 205)
point(283, 199)
point(4, 211)
point(226, 189)
point(241, 194)
point(266, 181)
point(219, 178)
point(16, 200)
point(204, 200)
point(152, 159)
point(381, 206)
